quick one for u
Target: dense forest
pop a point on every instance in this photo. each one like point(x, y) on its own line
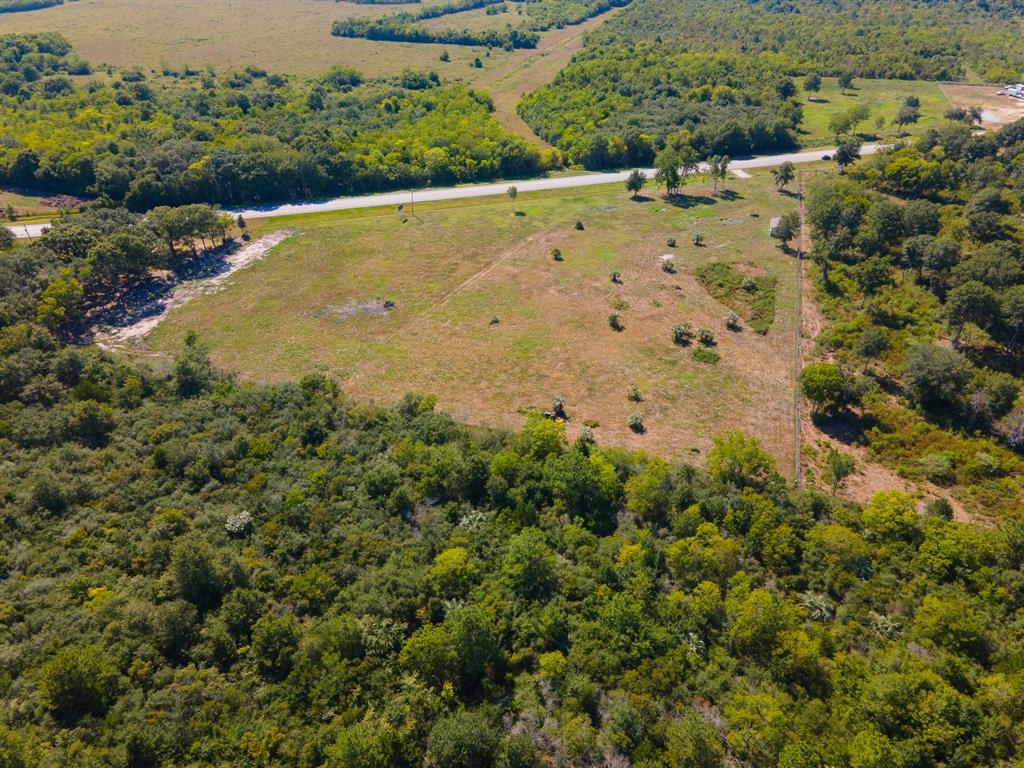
point(237, 137)
point(614, 106)
point(652, 70)
point(919, 39)
point(201, 572)
point(920, 255)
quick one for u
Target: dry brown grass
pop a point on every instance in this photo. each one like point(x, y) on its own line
point(460, 264)
point(1001, 109)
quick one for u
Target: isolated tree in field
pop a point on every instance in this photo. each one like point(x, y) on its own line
point(840, 124)
point(636, 181)
point(858, 115)
point(908, 115)
point(615, 321)
point(513, 193)
point(812, 83)
point(838, 467)
point(845, 81)
point(242, 225)
point(785, 174)
point(718, 169)
point(847, 153)
point(666, 166)
point(787, 228)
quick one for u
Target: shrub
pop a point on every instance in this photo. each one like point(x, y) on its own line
point(634, 395)
point(558, 407)
point(682, 334)
point(698, 239)
point(748, 284)
point(556, 254)
point(615, 321)
point(939, 508)
point(732, 321)
point(636, 423)
point(617, 277)
point(77, 681)
point(706, 337)
point(671, 242)
point(463, 740)
point(705, 355)
point(668, 265)
point(579, 225)
point(828, 387)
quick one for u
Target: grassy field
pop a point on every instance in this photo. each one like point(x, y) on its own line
point(315, 305)
point(883, 97)
point(293, 37)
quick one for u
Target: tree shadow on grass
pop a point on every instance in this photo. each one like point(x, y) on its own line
point(689, 201)
point(847, 428)
point(642, 199)
point(729, 195)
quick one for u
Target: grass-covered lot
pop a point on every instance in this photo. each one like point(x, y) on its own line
point(315, 304)
point(882, 97)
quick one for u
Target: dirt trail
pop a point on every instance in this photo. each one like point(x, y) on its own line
point(137, 321)
point(532, 68)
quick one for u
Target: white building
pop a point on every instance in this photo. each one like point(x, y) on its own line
point(1016, 91)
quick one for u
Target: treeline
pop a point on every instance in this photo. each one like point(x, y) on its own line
point(13, 6)
point(242, 137)
point(401, 27)
point(615, 105)
point(872, 38)
point(278, 576)
point(899, 278)
point(85, 262)
point(542, 15)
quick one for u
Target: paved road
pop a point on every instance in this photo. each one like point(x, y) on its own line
point(431, 194)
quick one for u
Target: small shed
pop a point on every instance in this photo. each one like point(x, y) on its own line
point(773, 225)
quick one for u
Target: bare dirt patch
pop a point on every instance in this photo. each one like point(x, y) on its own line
point(997, 110)
point(340, 312)
point(127, 322)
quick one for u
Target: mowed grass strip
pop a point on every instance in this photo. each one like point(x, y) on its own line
point(487, 320)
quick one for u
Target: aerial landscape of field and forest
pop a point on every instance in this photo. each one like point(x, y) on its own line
point(512, 383)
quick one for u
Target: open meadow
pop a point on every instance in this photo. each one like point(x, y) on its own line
point(882, 97)
point(485, 318)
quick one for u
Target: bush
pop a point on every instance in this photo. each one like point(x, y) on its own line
point(579, 225)
point(935, 376)
point(636, 423)
point(706, 337)
point(828, 387)
point(556, 254)
point(615, 321)
point(698, 239)
point(617, 277)
point(668, 265)
point(940, 508)
point(682, 334)
point(634, 395)
point(671, 242)
point(732, 321)
point(463, 740)
point(77, 681)
point(558, 407)
point(705, 355)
